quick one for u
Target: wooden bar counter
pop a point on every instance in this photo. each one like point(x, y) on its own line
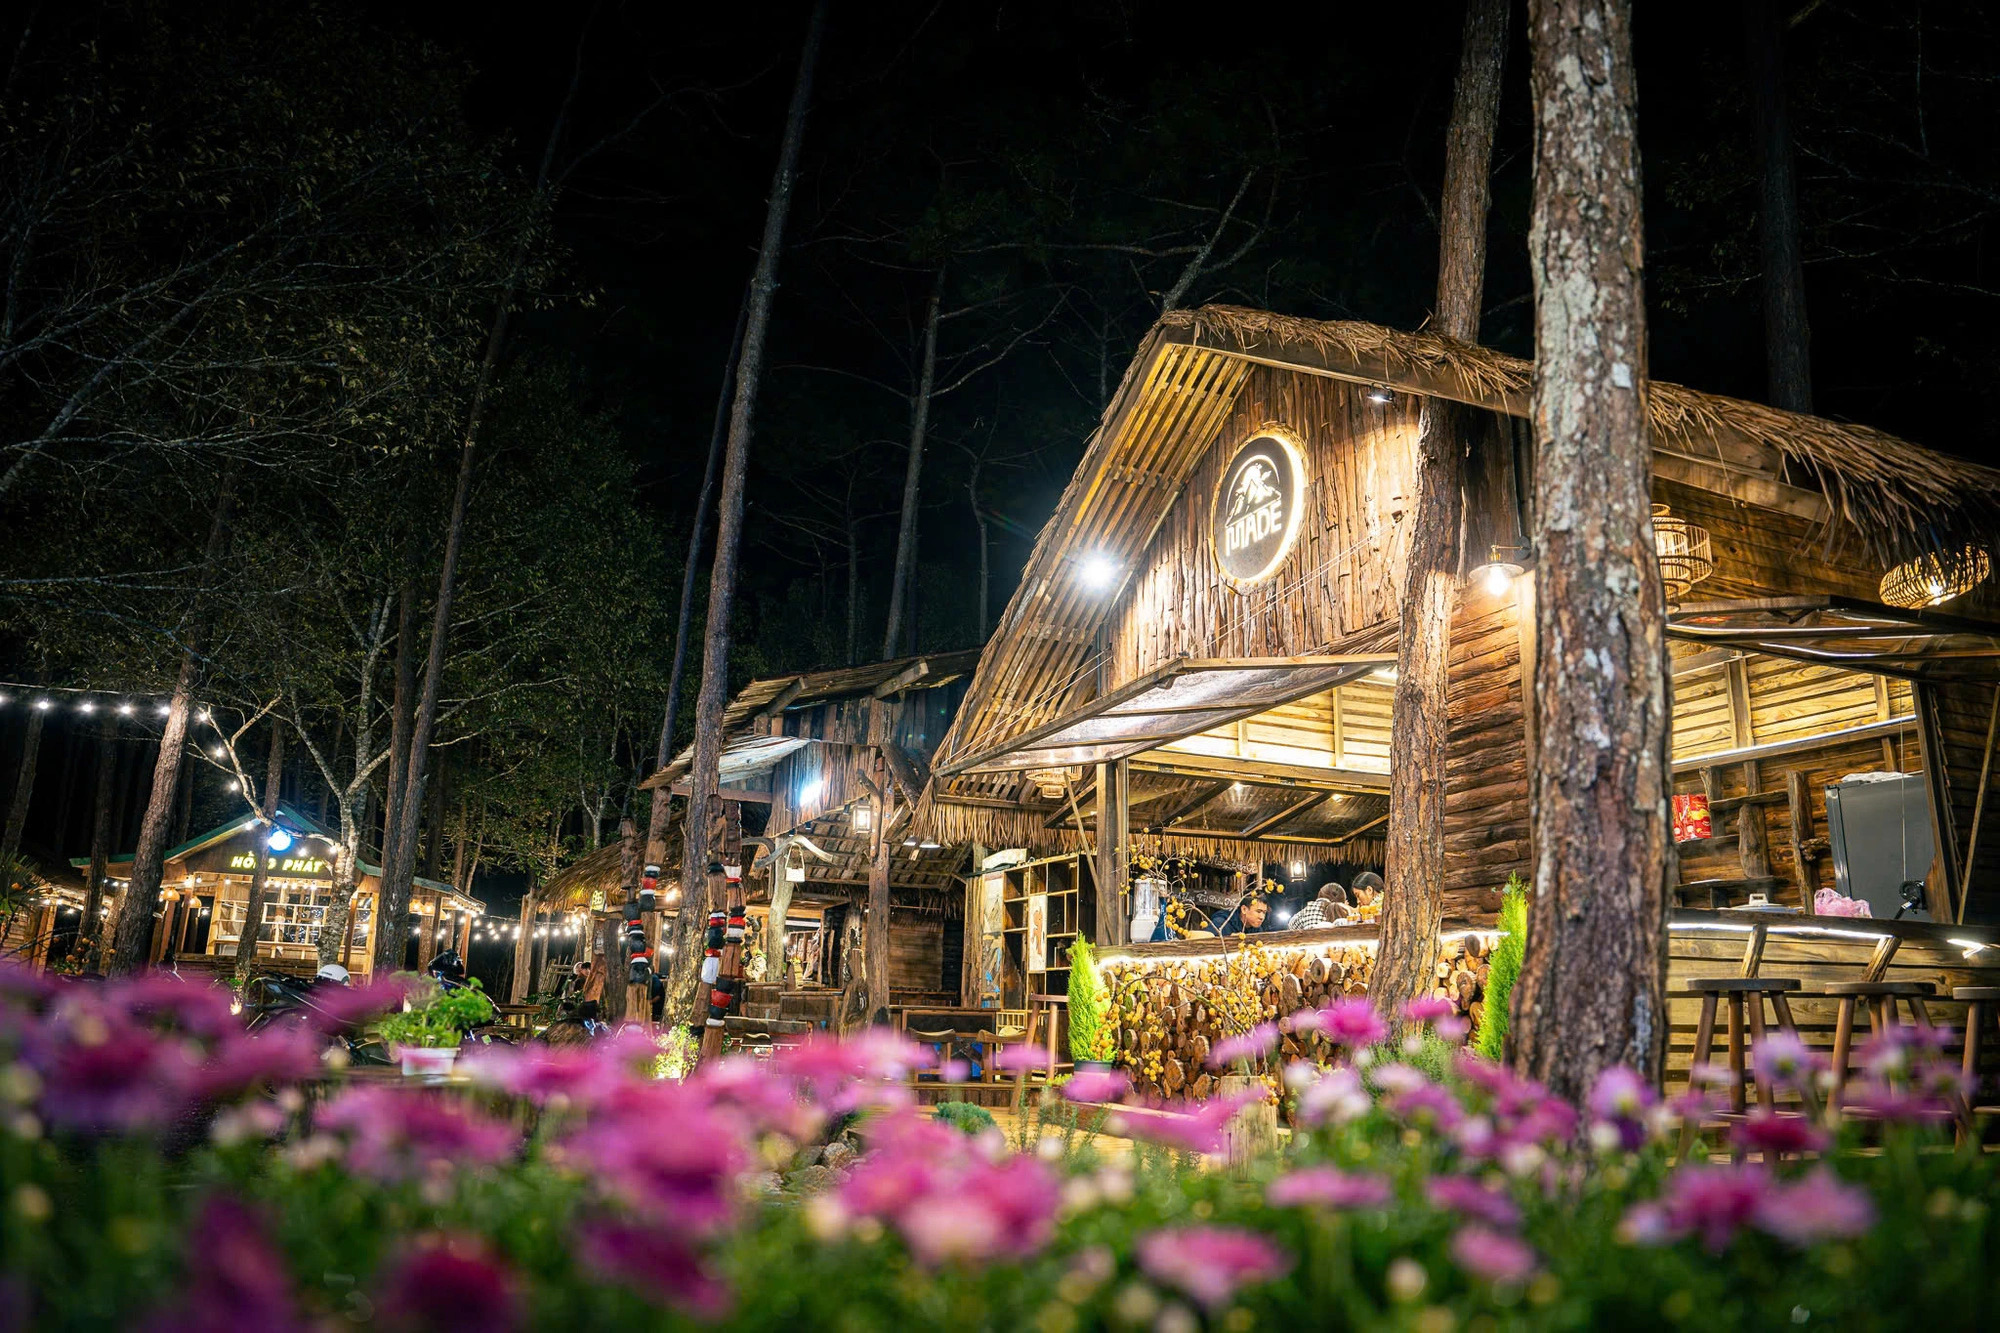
point(1187, 992)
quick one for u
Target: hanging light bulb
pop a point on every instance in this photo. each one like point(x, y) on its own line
point(1935, 578)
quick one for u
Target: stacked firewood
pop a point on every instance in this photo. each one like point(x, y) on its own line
point(1168, 1013)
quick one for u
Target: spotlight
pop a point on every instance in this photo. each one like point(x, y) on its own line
point(1098, 571)
point(1381, 393)
point(280, 839)
point(810, 790)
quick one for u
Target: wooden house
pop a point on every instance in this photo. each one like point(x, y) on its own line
point(205, 890)
point(1200, 656)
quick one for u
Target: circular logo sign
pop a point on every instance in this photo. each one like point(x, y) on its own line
point(1258, 508)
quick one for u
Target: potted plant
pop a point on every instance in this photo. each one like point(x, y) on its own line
point(426, 1034)
point(1092, 1044)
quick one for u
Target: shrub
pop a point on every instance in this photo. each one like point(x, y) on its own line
point(437, 1016)
point(1090, 1035)
point(965, 1116)
point(1505, 969)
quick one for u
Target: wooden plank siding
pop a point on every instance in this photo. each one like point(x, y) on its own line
point(1486, 756)
point(1964, 715)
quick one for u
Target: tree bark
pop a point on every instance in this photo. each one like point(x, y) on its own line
point(1787, 336)
point(24, 786)
point(253, 909)
point(701, 844)
point(906, 527)
point(90, 932)
point(131, 938)
point(1592, 993)
point(402, 705)
point(1412, 909)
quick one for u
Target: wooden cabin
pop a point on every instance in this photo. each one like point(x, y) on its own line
point(205, 890)
point(1199, 660)
point(819, 774)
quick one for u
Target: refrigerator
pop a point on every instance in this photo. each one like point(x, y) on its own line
point(1880, 831)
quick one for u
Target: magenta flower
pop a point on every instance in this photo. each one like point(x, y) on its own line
point(666, 1153)
point(1620, 1094)
point(102, 1075)
point(1210, 1264)
point(825, 1061)
point(1492, 1255)
point(1327, 1187)
point(1466, 1196)
point(1020, 1057)
point(1255, 1044)
point(163, 1001)
point(449, 1283)
point(237, 1278)
point(1200, 1129)
point(1429, 1009)
point(396, 1135)
point(1338, 1098)
point(1096, 1085)
point(1428, 1105)
point(577, 1075)
point(1817, 1207)
point(946, 1198)
point(1398, 1078)
point(657, 1264)
point(1768, 1132)
point(242, 1062)
point(1895, 1102)
point(333, 1009)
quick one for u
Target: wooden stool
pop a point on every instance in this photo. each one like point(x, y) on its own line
point(1746, 996)
point(1881, 997)
point(1980, 1002)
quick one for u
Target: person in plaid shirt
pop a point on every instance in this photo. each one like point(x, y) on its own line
point(1324, 910)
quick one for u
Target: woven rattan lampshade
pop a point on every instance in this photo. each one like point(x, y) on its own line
point(1683, 551)
point(1935, 578)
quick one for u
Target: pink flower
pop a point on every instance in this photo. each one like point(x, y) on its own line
point(1020, 1057)
point(1200, 1129)
point(946, 1198)
point(1768, 1132)
point(101, 1074)
point(165, 1002)
point(1351, 1022)
point(1815, 1208)
point(1210, 1264)
point(244, 1062)
point(449, 1283)
point(238, 1280)
point(1429, 1009)
point(1398, 1078)
point(1894, 1102)
point(1492, 1255)
point(1463, 1195)
point(1255, 1044)
point(1427, 1105)
point(666, 1152)
point(578, 1075)
point(825, 1061)
point(1712, 1201)
point(333, 1009)
point(1338, 1098)
point(657, 1264)
point(1620, 1094)
point(1327, 1187)
point(1096, 1085)
point(396, 1135)
point(1784, 1060)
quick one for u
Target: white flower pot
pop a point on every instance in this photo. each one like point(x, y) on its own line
point(427, 1061)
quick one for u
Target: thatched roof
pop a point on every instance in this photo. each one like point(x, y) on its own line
point(1854, 488)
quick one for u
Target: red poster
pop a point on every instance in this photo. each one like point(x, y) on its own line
point(1691, 818)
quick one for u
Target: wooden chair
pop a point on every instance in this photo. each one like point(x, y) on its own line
point(1745, 997)
point(1980, 1004)
point(1882, 998)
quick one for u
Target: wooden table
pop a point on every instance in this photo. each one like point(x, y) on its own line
point(953, 1027)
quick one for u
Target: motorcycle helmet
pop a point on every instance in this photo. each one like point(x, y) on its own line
point(332, 972)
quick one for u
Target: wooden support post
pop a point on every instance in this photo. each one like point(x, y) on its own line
point(1805, 862)
point(875, 928)
point(1113, 851)
point(1947, 874)
point(518, 992)
point(1979, 805)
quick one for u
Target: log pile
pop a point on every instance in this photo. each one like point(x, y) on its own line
point(1169, 1012)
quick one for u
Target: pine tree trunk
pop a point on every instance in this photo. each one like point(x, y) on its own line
point(906, 528)
point(875, 928)
point(1592, 992)
point(253, 909)
point(24, 786)
point(388, 950)
point(91, 931)
point(1412, 909)
point(701, 845)
point(1787, 336)
point(132, 934)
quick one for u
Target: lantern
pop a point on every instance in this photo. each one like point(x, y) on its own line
point(1683, 551)
point(1935, 578)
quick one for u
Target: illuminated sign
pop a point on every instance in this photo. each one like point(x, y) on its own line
point(1258, 508)
point(290, 865)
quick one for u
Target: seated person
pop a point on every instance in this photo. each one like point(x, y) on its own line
point(1247, 919)
point(1367, 892)
point(1329, 907)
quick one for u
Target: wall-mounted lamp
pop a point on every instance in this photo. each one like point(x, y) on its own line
point(864, 818)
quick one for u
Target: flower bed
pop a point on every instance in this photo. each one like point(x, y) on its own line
point(161, 1169)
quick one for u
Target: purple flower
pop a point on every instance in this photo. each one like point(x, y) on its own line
point(1427, 1105)
point(1895, 1102)
point(1020, 1057)
point(1255, 1044)
point(1096, 1085)
point(236, 1278)
point(1466, 1196)
point(332, 1009)
point(1768, 1132)
point(1815, 1208)
point(103, 1075)
point(162, 1000)
point(451, 1282)
point(1338, 1098)
point(1620, 1095)
point(1429, 1009)
point(668, 1153)
point(1200, 1129)
point(1492, 1255)
point(1784, 1060)
point(1398, 1078)
point(1210, 1264)
point(1327, 1187)
point(242, 1062)
point(655, 1263)
point(396, 1135)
